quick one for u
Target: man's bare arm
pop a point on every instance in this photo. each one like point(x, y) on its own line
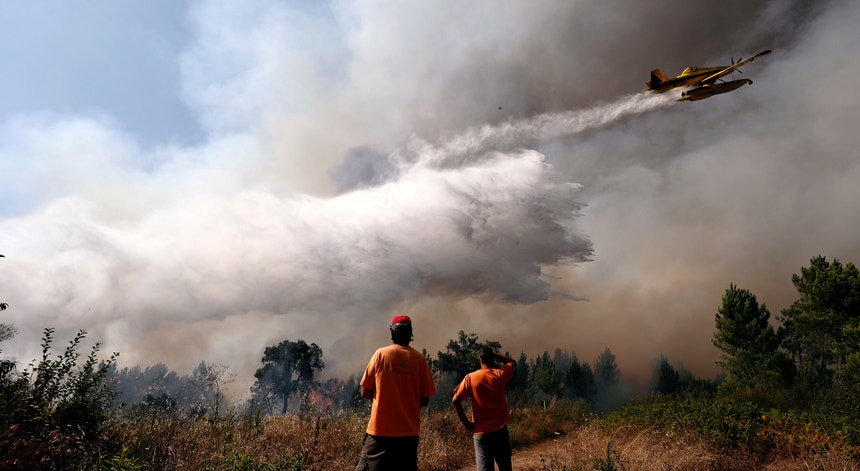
point(506, 359)
point(458, 406)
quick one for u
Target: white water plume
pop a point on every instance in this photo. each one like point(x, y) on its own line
point(475, 142)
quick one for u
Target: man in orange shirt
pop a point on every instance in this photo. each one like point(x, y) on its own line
point(399, 382)
point(490, 416)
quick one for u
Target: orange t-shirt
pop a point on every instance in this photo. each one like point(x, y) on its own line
point(486, 389)
point(400, 377)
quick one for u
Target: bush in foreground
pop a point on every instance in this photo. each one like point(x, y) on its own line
point(52, 416)
point(829, 423)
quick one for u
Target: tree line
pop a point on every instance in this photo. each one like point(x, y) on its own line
point(817, 340)
point(813, 345)
point(288, 380)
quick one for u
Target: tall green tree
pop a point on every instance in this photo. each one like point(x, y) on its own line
point(288, 367)
point(546, 378)
point(520, 387)
point(664, 378)
point(579, 381)
point(208, 379)
point(850, 371)
point(746, 338)
point(819, 329)
point(7, 331)
point(461, 355)
point(609, 392)
point(606, 372)
point(562, 359)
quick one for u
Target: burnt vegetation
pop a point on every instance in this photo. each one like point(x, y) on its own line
point(788, 392)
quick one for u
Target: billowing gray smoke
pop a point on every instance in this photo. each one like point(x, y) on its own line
point(468, 163)
point(470, 216)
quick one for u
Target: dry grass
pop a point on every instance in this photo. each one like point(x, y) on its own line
point(288, 443)
point(310, 443)
point(562, 439)
point(444, 444)
point(589, 447)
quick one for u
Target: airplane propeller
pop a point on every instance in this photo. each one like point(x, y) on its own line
point(738, 69)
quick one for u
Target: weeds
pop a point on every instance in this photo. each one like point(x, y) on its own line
point(764, 429)
point(52, 416)
point(329, 440)
point(60, 416)
point(119, 462)
point(609, 462)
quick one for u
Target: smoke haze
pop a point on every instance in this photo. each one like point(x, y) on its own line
point(307, 171)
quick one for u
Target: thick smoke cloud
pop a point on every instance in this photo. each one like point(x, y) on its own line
point(483, 167)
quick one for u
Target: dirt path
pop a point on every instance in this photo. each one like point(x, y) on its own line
point(541, 456)
point(535, 457)
point(652, 450)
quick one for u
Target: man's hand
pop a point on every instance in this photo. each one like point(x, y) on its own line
point(461, 414)
point(506, 359)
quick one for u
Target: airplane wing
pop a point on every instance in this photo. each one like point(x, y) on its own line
point(713, 77)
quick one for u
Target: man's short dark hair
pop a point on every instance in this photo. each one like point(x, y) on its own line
point(401, 334)
point(488, 357)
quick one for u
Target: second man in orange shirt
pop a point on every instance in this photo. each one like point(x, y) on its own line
point(490, 415)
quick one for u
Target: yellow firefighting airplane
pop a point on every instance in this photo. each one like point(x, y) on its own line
point(702, 79)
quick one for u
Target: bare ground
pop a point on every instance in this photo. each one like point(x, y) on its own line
point(651, 450)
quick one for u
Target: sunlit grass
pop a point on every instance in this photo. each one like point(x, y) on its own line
point(311, 441)
point(662, 433)
point(744, 425)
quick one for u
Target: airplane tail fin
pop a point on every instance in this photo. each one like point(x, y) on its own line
point(657, 78)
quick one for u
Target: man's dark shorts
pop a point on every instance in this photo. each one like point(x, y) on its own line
point(388, 454)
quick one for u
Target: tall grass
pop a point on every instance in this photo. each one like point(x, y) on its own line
point(684, 432)
point(767, 429)
point(294, 442)
point(310, 441)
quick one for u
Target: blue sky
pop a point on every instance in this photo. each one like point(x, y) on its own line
point(197, 180)
point(113, 58)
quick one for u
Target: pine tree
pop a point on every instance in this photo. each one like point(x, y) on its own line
point(747, 340)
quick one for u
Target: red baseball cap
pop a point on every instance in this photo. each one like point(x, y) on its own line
point(401, 320)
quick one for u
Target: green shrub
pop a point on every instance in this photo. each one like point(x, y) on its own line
point(612, 461)
point(780, 428)
point(52, 415)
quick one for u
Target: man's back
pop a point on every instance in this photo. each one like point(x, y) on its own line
point(490, 417)
point(486, 389)
point(400, 376)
